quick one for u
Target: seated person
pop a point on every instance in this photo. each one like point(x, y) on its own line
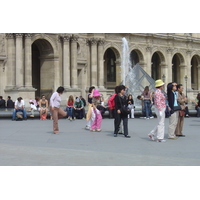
point(10, 103)
point(43, 103)
point(2, 102)
point(70, 107)
point(197, 105)
point(19, 107)
point(33, 107)
point(78, 108)
point(84, 104)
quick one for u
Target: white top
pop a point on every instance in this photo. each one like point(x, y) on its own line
point(55, 100)
point(19, 104)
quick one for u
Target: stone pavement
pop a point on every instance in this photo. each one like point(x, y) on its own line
point(32, 143)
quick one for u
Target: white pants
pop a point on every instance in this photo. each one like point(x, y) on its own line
point(173, 120)
point(131, 114)
point(159, 130)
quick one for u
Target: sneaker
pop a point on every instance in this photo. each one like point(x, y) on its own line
point(151, 117)
point(93, 130)
point(147, 118)
point(87, 128)
point(98, 130)
point(151, 136)
point(173, 138)
point(161, 140)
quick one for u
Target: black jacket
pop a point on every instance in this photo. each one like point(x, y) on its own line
point(2, 103)
point(120, 101)
point(170, 96)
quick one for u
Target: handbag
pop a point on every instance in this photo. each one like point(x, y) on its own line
point(124, 109)
point(176, 108)
point(181, 113)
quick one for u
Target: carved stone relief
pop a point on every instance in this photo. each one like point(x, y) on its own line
point(2, 44)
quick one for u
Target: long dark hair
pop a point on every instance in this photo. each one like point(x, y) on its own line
point(146, 90)
point(198, 96)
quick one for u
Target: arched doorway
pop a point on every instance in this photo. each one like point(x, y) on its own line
point(110, 69)
point(134, 58)
point(194, 72)
point(177, 61)
point(42, 67)
point(155, 66)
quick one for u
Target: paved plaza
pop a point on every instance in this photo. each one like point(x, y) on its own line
point(32, 143)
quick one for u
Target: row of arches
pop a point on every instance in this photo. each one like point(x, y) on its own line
point(157, 61)
point(43, 56)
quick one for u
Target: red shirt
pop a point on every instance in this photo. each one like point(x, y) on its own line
point(70, 104)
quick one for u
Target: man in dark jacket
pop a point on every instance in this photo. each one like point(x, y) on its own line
point(10, 103)
point(172, 102)
point(120, 101)
point(2, 102)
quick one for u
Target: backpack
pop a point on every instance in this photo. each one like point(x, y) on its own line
point(111, 102)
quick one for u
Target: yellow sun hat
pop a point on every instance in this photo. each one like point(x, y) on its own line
point(159, 83)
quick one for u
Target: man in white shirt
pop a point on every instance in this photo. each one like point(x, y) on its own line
point(19, 107)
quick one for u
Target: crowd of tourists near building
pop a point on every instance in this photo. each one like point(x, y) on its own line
point(171, 104)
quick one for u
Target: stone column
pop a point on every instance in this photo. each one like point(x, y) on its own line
point(88, 63)
point(57, 78)
point(28, 61)
point(10, 61)
point(164, 71)
point(169, 60)
point(74, 40)
point(183, 72)
point(66, 62)
point(148, 69)
point(188, 70)
point(93, 43)
point(118, 72)
point(19, 60)
point(100, 64)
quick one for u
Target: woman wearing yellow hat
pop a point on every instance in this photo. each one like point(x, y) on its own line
point(160, 106)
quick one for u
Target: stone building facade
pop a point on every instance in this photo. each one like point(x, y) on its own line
point(36, 64)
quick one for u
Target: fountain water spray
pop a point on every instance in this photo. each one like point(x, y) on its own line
point(134, 77)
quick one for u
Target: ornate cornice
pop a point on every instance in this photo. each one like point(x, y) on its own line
point(74, 38)
point(9, 35)
point(93, 41)
point(101, 41)
point(19, 35)
point(28, 35)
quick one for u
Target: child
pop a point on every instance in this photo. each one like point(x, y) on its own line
point(33, 107)
point(96, 102)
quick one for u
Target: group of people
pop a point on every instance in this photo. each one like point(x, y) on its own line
point(6, 104)
point(37, 104)
point(75, 108)
point(175, 102)
point(121, 105)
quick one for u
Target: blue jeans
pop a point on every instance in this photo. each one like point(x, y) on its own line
point(69, 111)
point(147, 106)
point(19, 110)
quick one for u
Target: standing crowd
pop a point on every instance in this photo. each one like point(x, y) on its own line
point(172, 104)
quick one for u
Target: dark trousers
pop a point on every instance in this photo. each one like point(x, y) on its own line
point(117, 121)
